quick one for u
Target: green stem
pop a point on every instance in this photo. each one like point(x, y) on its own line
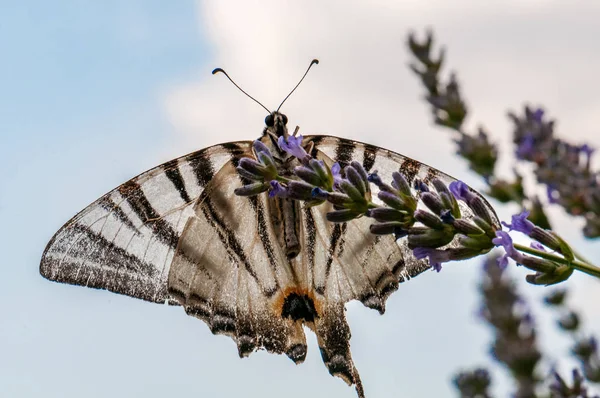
point(578, 265)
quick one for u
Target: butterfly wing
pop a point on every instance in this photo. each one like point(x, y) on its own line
point(350, 263)
point(125, 241)
point(231, 271)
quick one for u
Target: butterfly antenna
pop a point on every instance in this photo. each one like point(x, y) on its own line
point(313, 62)
point(217, 70)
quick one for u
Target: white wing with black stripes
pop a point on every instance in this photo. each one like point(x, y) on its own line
point(125, 241)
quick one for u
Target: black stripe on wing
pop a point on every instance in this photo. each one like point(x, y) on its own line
point(141, 206)
point(174, 175)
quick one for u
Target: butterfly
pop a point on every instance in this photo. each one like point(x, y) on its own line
point(253, 268)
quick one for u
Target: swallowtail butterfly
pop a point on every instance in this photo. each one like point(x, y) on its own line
point(253, 268)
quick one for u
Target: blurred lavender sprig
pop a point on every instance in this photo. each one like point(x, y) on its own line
point(449, 109)
point(473, 384)
point(585, 348)
point(562, 167)
point(565, 171)
point(515, 347)
point(515, 344)
point(559, 388)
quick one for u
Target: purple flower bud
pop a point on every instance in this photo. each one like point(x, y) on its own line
point(526, 148)
point(427, 237)
point(537, 246)
point(480, 209)
point(375, 179)
point(354, 177)
point(428, 219)
point(466, 227)
point(319, 168)
point(433, 202)
point(293, 146)
point(299, 190)
point(353, 192)
point(400, 183)
point(421, 186)
point(277, 190)
point(387, 228)
point(248, 175)
point(251, 189)
point(384, 214)
point(587, 150)
point(552, 241)
point(307, 175)
point(435, 257)
point(503, 261)
point(336, 172)
point(344, 215)
point(551, 193)
point(447, 217)
point(338, 199)
point(318, 193)
point(260, 147)
point(439, 185)
point(461, 191)
point(251, 166)
point(520, 223)
point(361, 170)
point(537, 115)
point(503, 239)
point(391, 200)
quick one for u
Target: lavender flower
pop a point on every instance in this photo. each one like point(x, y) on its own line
point(461, 191)
point(520, 223)
point(436, 257)
point(587, 150)
point(537, 246)
point(526, 148)
point(551, 194)
point(293, 146)
point(336, 173)
point(277, 190)
point(503, 239)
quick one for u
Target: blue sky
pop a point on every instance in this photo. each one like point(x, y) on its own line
point(94, 93)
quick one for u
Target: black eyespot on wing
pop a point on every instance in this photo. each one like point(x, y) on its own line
point(270, 121)
point(299, 306)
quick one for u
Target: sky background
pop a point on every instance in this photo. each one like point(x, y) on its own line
point(93, 93)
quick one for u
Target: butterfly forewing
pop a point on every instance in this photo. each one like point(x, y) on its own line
point(125, 241)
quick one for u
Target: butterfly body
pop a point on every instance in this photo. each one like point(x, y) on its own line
point(253, 268)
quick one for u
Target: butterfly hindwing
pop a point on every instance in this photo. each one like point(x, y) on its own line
point(230, 271)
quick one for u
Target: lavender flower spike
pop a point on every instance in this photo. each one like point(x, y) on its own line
point(293, 146)
point(520, 223)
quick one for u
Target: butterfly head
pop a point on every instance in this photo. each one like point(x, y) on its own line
point(276, 125)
